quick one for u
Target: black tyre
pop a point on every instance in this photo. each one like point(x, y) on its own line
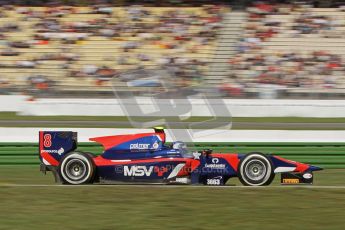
point(77, 168)
point(255, 169)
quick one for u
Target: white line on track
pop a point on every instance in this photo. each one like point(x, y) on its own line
point(176, 186)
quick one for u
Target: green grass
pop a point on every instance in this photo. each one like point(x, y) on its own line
point(185, 207)
point(11, 119)
point(14, 116)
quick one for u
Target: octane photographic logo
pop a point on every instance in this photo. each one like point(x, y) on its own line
point(171, 102)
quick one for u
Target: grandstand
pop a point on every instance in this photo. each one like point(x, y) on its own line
point(297, 50)
point(267, 50)
point(81, 48)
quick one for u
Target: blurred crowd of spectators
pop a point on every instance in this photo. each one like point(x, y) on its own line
point(290, 69)
point(264, 22)
point(176, 30)
point(179, 37)
point(255, 66)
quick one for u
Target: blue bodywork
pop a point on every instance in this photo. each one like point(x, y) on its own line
point(146, 158)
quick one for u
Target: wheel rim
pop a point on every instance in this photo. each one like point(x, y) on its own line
point(255, 170)
point(75, 169)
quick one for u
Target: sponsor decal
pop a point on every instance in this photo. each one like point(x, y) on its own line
point(291, 181)
point(61, 151)
point(196, 155)
point(155, 145)
point(307, 175)
point(137, 171)
point(139, 146)
point(215, 164)
point(160, 170)
point(58, 151)
point(172, 151)
point(215, 160)
point(50, 151)
point(144, 170)
point(183, 180)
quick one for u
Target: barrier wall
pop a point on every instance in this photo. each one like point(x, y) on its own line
point(12, 103)
point(326, 155)
point(192, 107)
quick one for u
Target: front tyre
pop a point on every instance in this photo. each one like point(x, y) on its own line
point(77, 168)
point(255, 169)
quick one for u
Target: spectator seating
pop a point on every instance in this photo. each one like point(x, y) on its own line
point(70, 46)
point(297, 50)
point(293, 49)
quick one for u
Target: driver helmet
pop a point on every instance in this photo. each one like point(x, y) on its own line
point(179, 145)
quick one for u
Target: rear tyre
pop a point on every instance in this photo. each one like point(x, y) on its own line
point(77, 168)
point(255, 169)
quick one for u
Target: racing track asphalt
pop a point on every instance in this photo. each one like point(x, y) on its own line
point(196, 125)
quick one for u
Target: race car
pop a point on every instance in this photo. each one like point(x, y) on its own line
point(147, 158)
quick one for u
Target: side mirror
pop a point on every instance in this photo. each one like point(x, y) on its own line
point(206, 152)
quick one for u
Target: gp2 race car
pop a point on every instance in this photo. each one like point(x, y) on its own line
point(146, 158)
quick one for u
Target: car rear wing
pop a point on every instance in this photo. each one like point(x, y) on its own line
point(53, 145)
